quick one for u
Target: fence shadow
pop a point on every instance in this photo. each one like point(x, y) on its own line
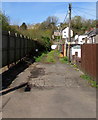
point(9, 75)
point(13, 89)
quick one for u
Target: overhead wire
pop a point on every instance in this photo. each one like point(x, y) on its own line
point(76, 12)
point(85, 12)
point(65, 17)
point(85, 8)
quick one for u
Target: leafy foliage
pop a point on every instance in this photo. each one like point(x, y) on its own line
point(80, 25)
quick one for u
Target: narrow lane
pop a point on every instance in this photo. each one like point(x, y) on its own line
point(57, 92)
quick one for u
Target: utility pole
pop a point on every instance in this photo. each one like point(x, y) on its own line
point(70, 6)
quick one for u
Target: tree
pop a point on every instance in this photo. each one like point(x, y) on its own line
point(52, 20)
point(80, 25)
point(23, 26)
point(49, 23)
point(47, 43)
point(4, 22)
point(76, 22)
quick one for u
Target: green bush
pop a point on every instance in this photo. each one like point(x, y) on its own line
point(64, 60)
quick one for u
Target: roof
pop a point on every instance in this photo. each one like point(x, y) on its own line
point(64, 28)
point(92, 32)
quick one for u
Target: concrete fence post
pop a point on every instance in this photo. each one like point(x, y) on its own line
point(15, 48)
point(24, 45)
point(28, 44)
point(20, 45)
point(8, 49)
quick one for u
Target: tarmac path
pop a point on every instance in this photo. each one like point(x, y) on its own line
point(57, 92)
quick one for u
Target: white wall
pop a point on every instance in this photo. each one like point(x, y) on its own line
point(65, 33)
point(80, 41)
point(96, 38)
point(76, 49)
point(53, 47)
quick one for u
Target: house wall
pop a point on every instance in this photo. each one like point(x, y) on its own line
point(76, 49)
point(65, 33)
point(90, 40)
point(57, 33)
point(80, 39)
point(96, 38)
point(53, 47)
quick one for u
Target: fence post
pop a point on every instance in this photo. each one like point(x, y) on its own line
point(15, 49)
point(20, 45)
point(28, 45)
point(24, 46)
point(8, 49)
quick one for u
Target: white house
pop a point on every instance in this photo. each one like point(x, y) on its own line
point(79, 39)
point(65, 33)
point(76, 49)
point(76, 37)
point(92, 36)
point(57, 33)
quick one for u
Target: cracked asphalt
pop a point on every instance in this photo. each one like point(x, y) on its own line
point(57, 92)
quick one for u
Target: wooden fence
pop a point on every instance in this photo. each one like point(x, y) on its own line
point(89, 60)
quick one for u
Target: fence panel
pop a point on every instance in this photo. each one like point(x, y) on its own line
point(11, 48)
point(88, 59)
point(4, 48)
point(15, 47)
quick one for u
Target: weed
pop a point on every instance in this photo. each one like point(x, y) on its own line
point(86, 77)
point(90, 81)
point(75, 66)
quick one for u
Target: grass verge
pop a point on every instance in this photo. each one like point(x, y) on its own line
point(90, 81)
